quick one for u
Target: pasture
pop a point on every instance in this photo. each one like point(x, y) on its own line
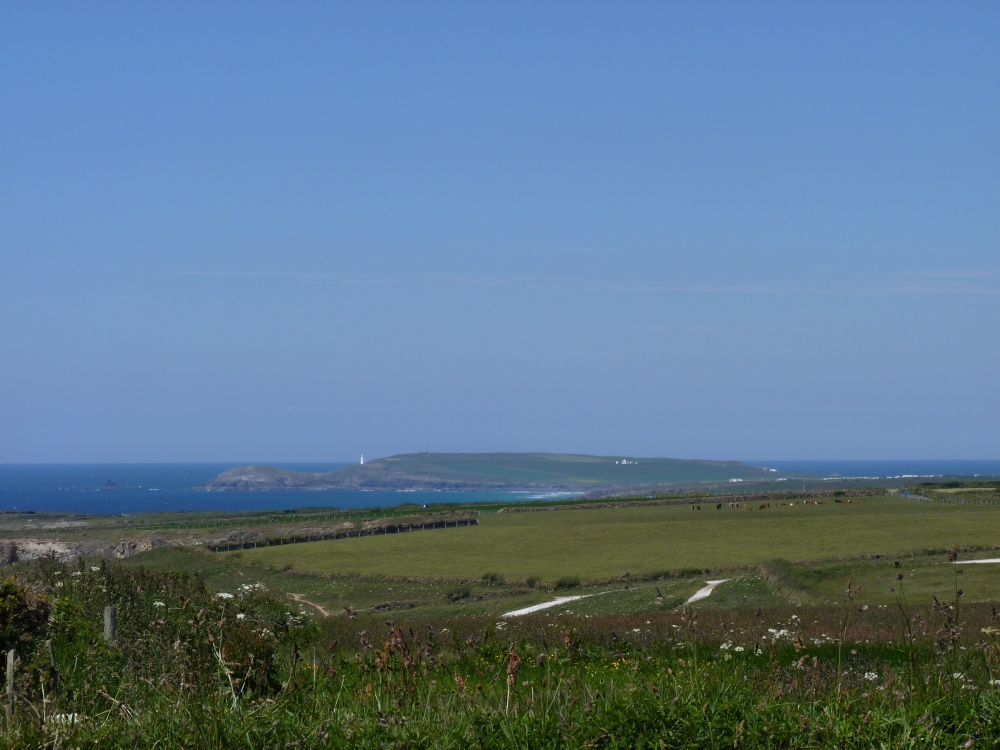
point(603, 544)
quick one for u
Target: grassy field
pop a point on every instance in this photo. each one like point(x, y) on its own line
point(191, 669)
point(602, 544)
point(415, 653)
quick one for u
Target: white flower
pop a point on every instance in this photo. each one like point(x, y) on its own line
point(59, 584)
point(159, 604)
point(224, 595)
point(240, 616)
point(737, 648)
point(957, 675)
point(871, 676)
point(95, 568)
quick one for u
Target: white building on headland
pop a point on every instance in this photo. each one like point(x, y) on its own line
point(362, 459)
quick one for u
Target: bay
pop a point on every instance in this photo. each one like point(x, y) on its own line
point(152, 488)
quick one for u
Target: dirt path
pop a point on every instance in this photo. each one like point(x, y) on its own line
point(705, 591)
point(544, 605)
point(301, 599)
point(554, 603)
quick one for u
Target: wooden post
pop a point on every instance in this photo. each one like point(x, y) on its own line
point(110, 624)
point(55, 667)
point(9, 703)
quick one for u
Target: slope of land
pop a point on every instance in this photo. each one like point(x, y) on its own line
point(495, 471)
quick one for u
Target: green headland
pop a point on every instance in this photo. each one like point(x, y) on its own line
point(497, 471)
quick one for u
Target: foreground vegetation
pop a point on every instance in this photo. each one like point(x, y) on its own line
point(194, 668)
point(842, 622)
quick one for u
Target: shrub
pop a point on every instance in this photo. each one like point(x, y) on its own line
point(459, 592)
point(568, 582)
point(23, 613)
point(492, 578)
point(532, 581)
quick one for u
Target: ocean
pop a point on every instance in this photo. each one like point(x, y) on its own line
point(150, 488)
point(888, 469)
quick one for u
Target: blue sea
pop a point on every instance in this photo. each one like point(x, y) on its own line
point(151, 488)
point(988, 468)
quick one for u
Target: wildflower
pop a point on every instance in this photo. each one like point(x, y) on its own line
point(957, 675)
point(94, 568)
point(224, 595)
point(871, 676)
point(240, 616)
point(737, 648)
point(159, 604)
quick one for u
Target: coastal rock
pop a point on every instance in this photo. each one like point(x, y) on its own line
point(131, 547)
point(8, 553)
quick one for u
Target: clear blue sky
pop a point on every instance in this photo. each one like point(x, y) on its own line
point(302, 231)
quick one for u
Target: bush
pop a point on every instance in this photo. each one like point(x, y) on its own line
point(457, 593)
point(532, 581)
point(568, 582)
point(492, 578)
point(23, 613)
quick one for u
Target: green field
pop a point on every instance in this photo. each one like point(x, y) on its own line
point(605, 543)
point(398, 640)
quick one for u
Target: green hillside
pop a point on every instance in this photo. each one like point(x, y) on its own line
point(495, 471)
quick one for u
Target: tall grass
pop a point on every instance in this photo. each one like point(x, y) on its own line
point(196, 670)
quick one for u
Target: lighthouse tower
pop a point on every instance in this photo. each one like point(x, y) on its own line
point(362, 459)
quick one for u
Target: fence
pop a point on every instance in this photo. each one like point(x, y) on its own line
point(400, 529)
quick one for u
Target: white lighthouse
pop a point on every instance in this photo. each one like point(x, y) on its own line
point(362, 459)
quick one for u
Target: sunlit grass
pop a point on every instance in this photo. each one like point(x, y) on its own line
point(605, 543)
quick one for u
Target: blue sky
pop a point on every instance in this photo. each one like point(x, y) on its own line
point(302, 231)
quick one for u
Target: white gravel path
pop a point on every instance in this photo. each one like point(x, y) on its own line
point(974, 562)
point(545, 605)
point(705, 592)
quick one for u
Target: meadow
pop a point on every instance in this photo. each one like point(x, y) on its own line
point(840, 624)
point(805, 551)
point(194, 668)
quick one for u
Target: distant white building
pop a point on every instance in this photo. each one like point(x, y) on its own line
point(362, 459)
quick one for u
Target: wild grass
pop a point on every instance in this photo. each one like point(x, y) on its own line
point(193, 669)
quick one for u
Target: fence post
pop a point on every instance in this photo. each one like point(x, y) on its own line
point(55, 667)
point(110, 624)
point(9, 703)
